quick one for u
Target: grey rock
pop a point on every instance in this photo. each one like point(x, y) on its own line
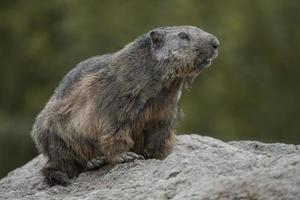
point(199, 168)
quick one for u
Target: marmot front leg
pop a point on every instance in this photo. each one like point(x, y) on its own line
point(116, 147)
point(159, 142)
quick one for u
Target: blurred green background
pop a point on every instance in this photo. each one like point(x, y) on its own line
point(251, 91)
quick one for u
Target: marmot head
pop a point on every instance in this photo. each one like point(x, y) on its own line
point(187, 50)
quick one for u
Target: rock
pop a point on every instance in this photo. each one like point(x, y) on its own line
point(199, 168)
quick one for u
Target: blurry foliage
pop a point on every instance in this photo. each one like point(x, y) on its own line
point(250, 92)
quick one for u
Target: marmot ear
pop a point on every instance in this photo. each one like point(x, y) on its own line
point(157, 39)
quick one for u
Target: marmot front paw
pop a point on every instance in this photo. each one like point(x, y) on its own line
point(126, 157)
point(96, 163)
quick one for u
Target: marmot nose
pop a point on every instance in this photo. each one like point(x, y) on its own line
point(215, 43)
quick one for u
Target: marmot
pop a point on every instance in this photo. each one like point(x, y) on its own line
point(122, 106)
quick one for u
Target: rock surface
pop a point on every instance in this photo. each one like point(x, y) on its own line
point(199, 168)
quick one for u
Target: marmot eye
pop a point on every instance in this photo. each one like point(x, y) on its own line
point(183, 35)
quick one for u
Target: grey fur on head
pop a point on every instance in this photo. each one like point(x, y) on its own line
point(121, 106)
point(186, 50)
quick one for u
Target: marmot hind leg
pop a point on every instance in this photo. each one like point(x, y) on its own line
point(56, 172)
point(63, 163)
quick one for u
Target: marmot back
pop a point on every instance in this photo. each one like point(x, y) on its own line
point(122, 106)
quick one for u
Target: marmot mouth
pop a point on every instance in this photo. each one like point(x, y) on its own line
point(206, 62)
point(203, 63)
